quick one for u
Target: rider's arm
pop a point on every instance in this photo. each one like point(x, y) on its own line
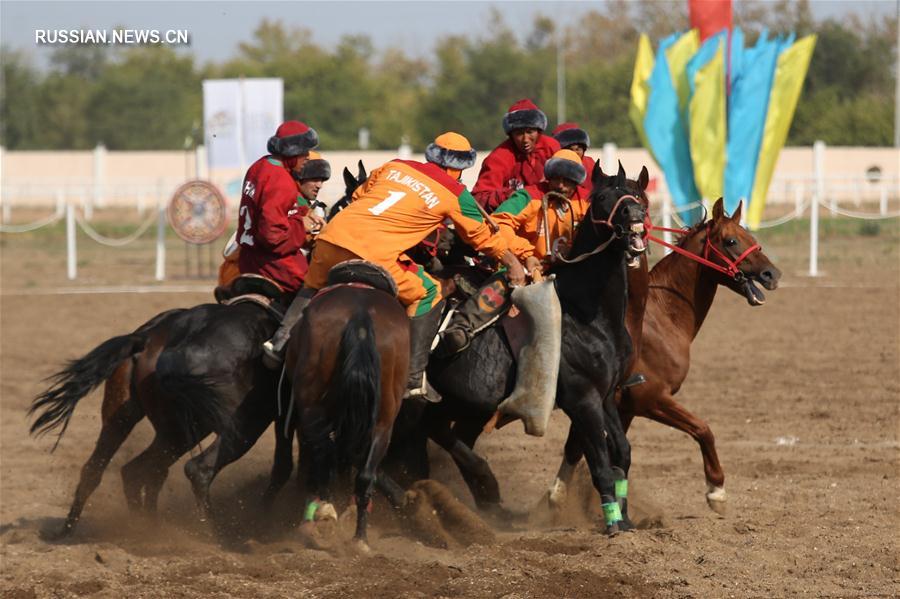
point(472, 229)
point(492, 187)
point(276, 231)
point(513, 217)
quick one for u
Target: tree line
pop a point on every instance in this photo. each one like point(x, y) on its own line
point(150, 97)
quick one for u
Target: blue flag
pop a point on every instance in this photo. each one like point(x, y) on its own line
point(667, 135)
point(747, 118)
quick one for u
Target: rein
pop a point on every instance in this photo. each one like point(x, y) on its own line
point(617, 231)
point(731, 267)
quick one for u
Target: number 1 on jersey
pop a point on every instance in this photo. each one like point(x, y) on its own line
point(393, 198)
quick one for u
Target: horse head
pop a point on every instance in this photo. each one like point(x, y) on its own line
point(732, 246)
point(350, 185)
point(619, 205)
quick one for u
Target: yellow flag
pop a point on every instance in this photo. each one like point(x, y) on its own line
point(640, 90)
point(707, 127)
point(678, 55)
point(786, 87)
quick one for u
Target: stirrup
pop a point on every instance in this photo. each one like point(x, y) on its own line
point(272, 358)
point(422, 393)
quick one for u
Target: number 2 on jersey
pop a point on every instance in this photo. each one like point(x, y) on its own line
point(393, 198)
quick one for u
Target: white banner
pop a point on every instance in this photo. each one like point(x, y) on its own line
point(239, 117)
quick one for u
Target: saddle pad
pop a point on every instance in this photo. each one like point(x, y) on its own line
point(260, 300)
point(362, 271)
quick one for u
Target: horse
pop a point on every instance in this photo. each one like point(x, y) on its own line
point(348, 360)
point(683, 285)
point(596, 348)
point(181, 407)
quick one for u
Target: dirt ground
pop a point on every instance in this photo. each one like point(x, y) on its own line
point(802, 394)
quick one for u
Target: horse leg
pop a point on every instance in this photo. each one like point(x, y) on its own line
point(228, 447)
point(664, 409)
point(572, 454)
point(365, 479)
point(282, 463)
point(148, 471)
point(620, 456)
point(590, 418)
point(474, 469)
point(114, 432)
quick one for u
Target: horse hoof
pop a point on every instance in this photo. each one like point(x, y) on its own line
point(717, 500)
point(326, 511)
point(56, 534)
point(556, 495)
point(361, 547)
point(613, 529)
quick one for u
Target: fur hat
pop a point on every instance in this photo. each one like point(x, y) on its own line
point(450, 150)
point(565, 164)
point(570, 134)
point(314, 168)
point(524, 114)
point(293, 138)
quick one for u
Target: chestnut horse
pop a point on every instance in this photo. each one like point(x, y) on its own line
point(682, 288)
point(348, 360)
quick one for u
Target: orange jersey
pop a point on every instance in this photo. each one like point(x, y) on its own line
point(399, 205)
point(521, 221)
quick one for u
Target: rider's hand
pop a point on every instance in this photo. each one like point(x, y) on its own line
point(312, 222)
point(516, 273)
point(533, 265)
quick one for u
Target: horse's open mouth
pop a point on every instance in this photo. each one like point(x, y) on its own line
point(754, 295)
point(636, 244)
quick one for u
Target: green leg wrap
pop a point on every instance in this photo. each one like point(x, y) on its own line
point(310, 514)
point(612, 513)
point(622, 488)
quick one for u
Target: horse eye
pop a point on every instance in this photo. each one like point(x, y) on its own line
point(730, 242)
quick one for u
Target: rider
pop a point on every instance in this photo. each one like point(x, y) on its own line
point(310, 179)
point(271, 226)
point(521, 222)
point(572, 137)
point(518, 161)
point(400, 204)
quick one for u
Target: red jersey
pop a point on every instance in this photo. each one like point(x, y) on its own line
point(506, 170)
point(270, 230)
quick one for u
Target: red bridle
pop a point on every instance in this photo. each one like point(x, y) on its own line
point(731, 267)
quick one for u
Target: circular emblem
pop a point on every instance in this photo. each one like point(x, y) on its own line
point(197, 212)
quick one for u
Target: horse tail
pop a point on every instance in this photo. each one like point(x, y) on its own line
point(355, 389)
point(77, 379)
point(199, 407)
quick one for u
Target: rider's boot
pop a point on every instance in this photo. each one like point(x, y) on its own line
point(273, 349)
point(477, 312)
point(422, 330)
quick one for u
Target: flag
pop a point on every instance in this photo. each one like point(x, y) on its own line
point(640, 91)
point(666, 131)
point(789, 75)
point(747, 108)
point(710, 16)
point(707, 116)
point(678, 55)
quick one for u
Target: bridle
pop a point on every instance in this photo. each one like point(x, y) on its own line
point(618, 231)
point(731, 268)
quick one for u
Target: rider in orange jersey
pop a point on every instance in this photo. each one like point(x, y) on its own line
point(400, 204)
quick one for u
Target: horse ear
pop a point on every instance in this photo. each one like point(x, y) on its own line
point(362, 173)
point(349, 181)
point(644, 178)
point(620, 176)
point(736, 217)
point(718, 210)
point(597, 176)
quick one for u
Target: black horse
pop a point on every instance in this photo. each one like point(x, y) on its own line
point(596, 350)
point(192, 372)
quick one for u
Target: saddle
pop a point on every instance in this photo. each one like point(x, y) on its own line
point(255, 289)
point(361, 272)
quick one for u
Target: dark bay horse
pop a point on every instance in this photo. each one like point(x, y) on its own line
point(348, 360)
point(596, 350)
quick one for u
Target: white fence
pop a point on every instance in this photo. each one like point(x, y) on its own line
point(791, 195)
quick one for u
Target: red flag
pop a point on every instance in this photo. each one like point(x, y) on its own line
point(710, 16)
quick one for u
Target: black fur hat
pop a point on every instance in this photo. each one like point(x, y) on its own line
point(565, 166)
point(524, 114)
point(293, 138)
point(570, 134)
point(314, 168)
point(458, 159)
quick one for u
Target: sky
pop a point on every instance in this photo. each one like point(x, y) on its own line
point(216, 28)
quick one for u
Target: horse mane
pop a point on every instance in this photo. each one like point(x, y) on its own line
point(689, 232)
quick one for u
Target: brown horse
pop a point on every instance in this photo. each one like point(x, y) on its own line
point(348, 360)
point(682, 288)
